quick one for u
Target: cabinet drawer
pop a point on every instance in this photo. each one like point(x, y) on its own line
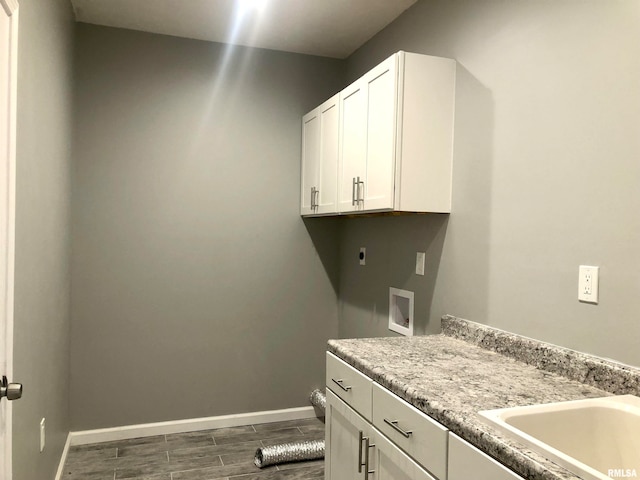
point(350, 385)
point(414, 432)
point(466, 462)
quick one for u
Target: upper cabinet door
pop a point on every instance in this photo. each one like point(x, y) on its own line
point(319, 170)
point(310, 161)
point(327, 193)
point(378, 188)
point(353, 144)
point(368, 131)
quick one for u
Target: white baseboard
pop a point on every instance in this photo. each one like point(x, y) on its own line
point(63, 458)
point(190, 425)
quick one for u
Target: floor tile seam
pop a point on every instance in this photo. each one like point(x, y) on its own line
point(171, 471)
point(183, 450)
point(89, 461)
point(199, 467)
point(132, 460)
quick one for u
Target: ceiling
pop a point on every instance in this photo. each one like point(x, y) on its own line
point(329, 28)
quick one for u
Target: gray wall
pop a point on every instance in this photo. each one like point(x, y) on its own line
point(197, 288)
point(546, 175)
point(41, 344)
point(391, 243)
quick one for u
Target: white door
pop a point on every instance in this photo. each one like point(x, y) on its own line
point(353, 144)
point(393, 464)
point(320, 128)
point(327, 197)
point(8, 77)
point(381, 132)
point(310, 161)
point(347, 436)
point(368, 129)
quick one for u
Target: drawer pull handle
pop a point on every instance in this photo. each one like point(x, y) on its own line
point(339, 383)
point(394, 424)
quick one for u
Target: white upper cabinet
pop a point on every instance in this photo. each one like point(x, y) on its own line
point(394, 144)
point(319, 172)
point(366, 154)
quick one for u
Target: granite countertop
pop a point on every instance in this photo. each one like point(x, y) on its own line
point(472, 367)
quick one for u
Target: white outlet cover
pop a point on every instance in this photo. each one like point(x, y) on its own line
point(420, 256)
point(588, 283)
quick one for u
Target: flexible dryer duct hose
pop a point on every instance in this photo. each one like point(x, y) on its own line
point(289, 452)
point(318, 399)
point(296, 451)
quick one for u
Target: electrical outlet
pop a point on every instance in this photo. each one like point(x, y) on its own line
point(363, 256)
point(588, 284)
point(42, 438)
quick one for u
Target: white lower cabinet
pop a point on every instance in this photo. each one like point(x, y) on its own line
point(358, 446)
point(356, 450)
point(466, 462)
point(372, 434)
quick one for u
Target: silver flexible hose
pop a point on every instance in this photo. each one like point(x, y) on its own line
point(318, 399)
point(289, 452)
point(296, 451)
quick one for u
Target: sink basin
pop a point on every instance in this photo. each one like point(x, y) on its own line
point(595, 438)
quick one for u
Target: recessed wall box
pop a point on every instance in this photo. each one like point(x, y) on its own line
point(401, 311)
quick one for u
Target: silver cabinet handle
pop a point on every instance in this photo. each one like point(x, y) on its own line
point(339, 383)
point(317, 203)
point(359, 192)
point(353, 192)
point(13, 391)
point(394, 424)
point(360, 438)
point(367, 446)
point(314, 198)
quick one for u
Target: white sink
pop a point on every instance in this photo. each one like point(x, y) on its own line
point(595, 438)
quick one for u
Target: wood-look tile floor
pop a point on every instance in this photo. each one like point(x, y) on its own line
point(224, 453)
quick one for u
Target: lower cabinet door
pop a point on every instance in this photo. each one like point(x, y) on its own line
point(466, 462)
point(349, 441)
point(393, 464)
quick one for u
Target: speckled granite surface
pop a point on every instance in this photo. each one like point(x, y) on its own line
point(614, 377)
point(451, 378)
